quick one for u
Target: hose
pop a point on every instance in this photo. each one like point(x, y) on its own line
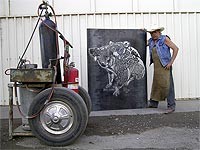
point(54, 67)
point(29, 40)
point(49, 98)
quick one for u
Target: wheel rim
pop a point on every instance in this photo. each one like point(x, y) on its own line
point(57, 117)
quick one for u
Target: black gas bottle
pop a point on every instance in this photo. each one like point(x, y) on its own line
point(49, 45)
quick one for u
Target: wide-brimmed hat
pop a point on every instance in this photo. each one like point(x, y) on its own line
point(155, 27)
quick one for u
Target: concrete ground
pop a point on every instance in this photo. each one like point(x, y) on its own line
point(132, 129)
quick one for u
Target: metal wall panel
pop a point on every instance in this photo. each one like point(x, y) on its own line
point(28, 7)
point(182, 27)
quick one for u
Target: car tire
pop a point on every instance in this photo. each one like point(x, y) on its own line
point(62, 119)
point(86, 97)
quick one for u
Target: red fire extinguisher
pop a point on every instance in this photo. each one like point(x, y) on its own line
point(71, 79)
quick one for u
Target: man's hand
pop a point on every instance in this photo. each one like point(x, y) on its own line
point(168, 66)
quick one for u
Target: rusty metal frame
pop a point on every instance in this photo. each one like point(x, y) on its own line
point(41, 78)
point(10, 90)
point(32, 75)
point(18, 131)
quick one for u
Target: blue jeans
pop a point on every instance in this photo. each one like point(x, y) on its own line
point(171, 96)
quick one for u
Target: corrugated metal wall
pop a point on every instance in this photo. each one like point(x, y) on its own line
point(182, 27)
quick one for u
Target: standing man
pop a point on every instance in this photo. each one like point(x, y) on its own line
point(163, 85)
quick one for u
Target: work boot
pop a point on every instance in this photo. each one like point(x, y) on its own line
point(153, 104)
point(169, 110)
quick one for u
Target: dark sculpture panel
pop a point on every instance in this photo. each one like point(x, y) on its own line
point(116, 68)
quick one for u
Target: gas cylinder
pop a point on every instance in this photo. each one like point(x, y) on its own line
point(71, 79)
point(49, 45)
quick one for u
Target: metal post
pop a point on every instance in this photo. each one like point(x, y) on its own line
point(10, 90)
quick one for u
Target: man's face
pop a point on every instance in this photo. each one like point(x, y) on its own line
point(155, 34)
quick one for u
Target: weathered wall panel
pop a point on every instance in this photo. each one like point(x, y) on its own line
point(182, 27)
point(29, 7)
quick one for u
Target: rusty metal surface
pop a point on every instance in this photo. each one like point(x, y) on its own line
point(10, 89)
point(31, 75)
point(20, 132)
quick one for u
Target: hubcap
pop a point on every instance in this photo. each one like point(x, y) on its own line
point(57, 117)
